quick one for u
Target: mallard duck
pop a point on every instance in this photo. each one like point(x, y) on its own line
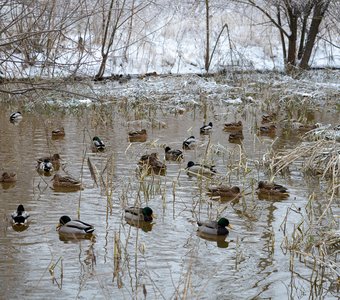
point(303, 127)
point(193, 169)
point(16, 116)
point(173, 154)
point(152, 164)
point(206, 129)
point(268, 129)
point(224, 191)
point(236, 137)
point(45, 166)
point(98, 144)
point(214, 227)
point(66, 182)
point(76, 227)
point(54, 159)
point(19, 217)
point(268, 118)
point(189, 143)
point(233, 126)
point(8, 177)
point(58, 132)
point(138, 136)
point(271, 189)
point(139, 214)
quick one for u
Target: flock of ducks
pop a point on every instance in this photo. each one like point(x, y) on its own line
point(148, 164)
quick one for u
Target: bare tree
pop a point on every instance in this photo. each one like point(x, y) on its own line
point(298, 22)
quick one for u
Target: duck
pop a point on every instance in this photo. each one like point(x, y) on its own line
point(189, 143)
point(214, 227)
point(224, 191)
point(8, 177)
point(268, 118)
point(206, 129)
point(77, 227)
point(20, 216)
point(138, 136)
point(45, 166)
point(173, 154)
point(238, 126)
point(98, 144)
point(236, 137)
point(58, 132)
point(152, 164)
point(271, 189)
point(193, 169)
point(66, 182)
point(16, 116)
point(268, 129)
point(140, 214)
point(54, 159)
point(303, 127)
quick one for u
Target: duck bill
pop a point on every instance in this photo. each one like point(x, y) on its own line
point(57, 227)
point(230, 226)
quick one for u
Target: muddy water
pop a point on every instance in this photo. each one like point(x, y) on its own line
point(170, 260)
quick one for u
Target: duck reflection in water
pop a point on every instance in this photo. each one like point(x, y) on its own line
point(220, 240)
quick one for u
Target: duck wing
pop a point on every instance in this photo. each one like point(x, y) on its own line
point(209, 224)
point(77, 224)
point(134, 210)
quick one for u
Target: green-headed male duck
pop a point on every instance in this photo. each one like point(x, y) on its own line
point(214, 227)
point(189, 143)
point(54, 159)
point(206, 129)
point(139, 214)
point(19, 217)
point(44, 166)
point(68, 226)
point(98, 144)
point(194, 169)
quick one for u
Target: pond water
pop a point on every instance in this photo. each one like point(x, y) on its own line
point(169, 261)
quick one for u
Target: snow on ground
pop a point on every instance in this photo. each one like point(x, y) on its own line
point(173, 42)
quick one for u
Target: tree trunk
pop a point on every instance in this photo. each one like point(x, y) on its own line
point(293, 26)
point(319, 12)
point(100, 73)
point(207, 50)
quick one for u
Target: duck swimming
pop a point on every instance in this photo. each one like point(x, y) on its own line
point(76, 227)
point(151, 164)
point(214, 227)
point(206, 129)
point(173, 154)
point(8, 177)
point(66, 182)
point(224, 191)
point(58, 132)
point(189, 143)
point(54, 159)
point(19, 217)
point(238, 126)
point(15, 117)
point(98, 144)
point(138, 136)
point(194, 169)
point(271, 189)
point(139, 214)
point(45, 166)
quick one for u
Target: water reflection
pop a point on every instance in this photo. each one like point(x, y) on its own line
point(221, 241)
point(20, 227)
point(145, 226)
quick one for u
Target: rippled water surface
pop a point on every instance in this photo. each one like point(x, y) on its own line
point(169, 260)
